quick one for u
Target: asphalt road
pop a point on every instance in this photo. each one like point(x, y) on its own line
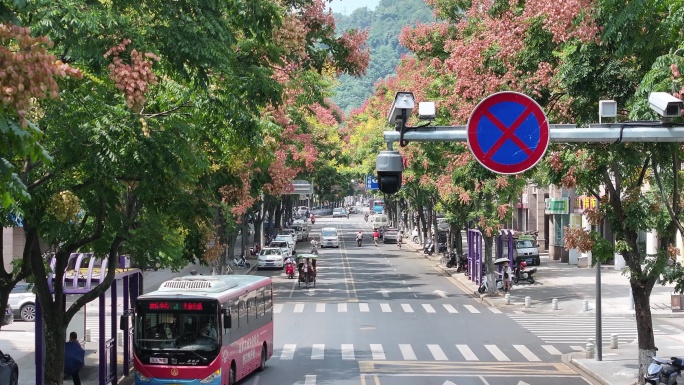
point(380, 315)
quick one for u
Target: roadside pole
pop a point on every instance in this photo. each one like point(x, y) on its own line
point(599, 342)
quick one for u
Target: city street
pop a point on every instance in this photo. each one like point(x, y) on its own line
point(387, 316)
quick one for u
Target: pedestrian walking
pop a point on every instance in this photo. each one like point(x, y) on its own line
point(399, 240)
point(74, 358)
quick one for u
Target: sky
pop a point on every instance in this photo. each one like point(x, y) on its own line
point(348, 6)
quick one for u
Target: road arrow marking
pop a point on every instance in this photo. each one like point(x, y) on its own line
point(440, 293)
point(311, 292)
point(447, 382)
point(522, 383)
point(385, 293)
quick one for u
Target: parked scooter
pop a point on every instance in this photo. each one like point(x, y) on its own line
point(484, 286)
point(520, 274)
point(663, 371)
point(429, 247)
point(253, 251)
point(462, 263)
point(242, 262)
point(452, 261)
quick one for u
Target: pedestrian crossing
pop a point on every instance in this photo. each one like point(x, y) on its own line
point(93, 324)
point(423, 352)
point(569, 329)
point(381, 307)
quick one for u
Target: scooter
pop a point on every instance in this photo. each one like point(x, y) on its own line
point(452, 261)
point(462, 263)
point(289, 270)
point(663, 371)
point(253, 251)
point(314, 249)
point(429, 247)
point(484, 286)
point(520, 274)
point(242, 262)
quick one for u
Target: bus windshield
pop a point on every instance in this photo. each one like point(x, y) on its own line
point(177, 325)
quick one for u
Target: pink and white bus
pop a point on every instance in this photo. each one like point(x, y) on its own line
point(212, 330)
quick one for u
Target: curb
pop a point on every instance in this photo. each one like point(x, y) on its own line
point(583, 371)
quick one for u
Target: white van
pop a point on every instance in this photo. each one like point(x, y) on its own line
point(329, 237)
point(379, 221)
point(302, 231)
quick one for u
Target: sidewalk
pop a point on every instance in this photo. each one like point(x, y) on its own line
point(572, 286)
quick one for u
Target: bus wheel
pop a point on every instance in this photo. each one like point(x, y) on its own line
point(231, 375)
point(262, 365)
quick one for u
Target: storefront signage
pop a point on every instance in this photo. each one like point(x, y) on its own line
point(582, 203)
point(557, 206)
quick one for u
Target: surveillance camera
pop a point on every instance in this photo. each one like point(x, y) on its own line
point(665, 104)
point(401, 108)
point(389, 166)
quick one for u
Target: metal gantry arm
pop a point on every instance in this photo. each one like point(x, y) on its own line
point(559, 133)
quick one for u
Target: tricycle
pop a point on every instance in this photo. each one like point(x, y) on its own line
point(306, 264)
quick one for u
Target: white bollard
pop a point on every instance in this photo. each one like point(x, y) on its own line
point(613, 341)
point(585, 305)
point(589, 350)
point(631, 299)
point(88, 335)
point(507, 297)
point(554, 304)
point(119, 338)
point(528, 302)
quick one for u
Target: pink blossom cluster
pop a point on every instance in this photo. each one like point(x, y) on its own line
point(27, 70)
point(359, 55)
point(133, 78)
point(281, 175)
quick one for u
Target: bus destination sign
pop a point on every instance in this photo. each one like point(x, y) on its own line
point(175, 305)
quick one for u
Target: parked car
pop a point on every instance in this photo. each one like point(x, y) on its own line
point(9, 370)
point(23, 301)
point(282, 244)
point(339, 212)
point(390, 235)
point(291, 240)
point(272, 257)
point(8, 318)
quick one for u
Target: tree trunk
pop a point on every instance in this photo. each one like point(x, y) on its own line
point(489, 264)
point(642, 311)
point(54, 329)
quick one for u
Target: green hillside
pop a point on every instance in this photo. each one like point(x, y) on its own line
point(383, 25)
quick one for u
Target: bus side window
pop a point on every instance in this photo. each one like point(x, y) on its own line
point(253, 306)
point(243, 313)
point(261, 302)
point(269, 301)
point(235, 314)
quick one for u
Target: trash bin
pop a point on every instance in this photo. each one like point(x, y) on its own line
point(619, 263)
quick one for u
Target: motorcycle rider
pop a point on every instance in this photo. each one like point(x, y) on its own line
point(314, 246)
point(359, 237)
point(365, 216)
point(313, 219)
point(399, 239)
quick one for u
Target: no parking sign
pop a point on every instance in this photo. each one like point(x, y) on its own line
point(508, 133)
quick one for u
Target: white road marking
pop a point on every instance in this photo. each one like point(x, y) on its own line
point(299, 308)
point(437, 353)
point(407, 308)
point(497, 353)
point(363, 308)
point(467, 353)
point(471, 308)
point(348, 352)
point(450, 309)
point(317, 351)
point(385, 308)
point(377, 352)
point(407, 352)
point(341, 307)
point(288, 351)
point(277, 308)
point(310, 379)
point(494, 310)
point(320, 308)
point(526, 352)
point(428, 308)
point(552, 350)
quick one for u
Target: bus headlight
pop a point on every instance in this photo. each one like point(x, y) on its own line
point(141, 377)
point(211, 377)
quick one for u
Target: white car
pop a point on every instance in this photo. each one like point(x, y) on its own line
point(287, 238)
point(329, 237)
point(282, 244)
point(272, 257)
point(23, 302)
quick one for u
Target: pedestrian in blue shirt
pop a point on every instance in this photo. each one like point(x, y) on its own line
point(74, 357)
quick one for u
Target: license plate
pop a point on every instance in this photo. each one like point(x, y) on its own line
point(159, 360)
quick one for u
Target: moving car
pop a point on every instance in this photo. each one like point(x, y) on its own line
point(272, 257)
point(290, 239)
point(379, 221)
point(329, 237)
point(390, 235)
point(23, 301)
point(526, 249)
point(9, 370)
point(339, 212)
